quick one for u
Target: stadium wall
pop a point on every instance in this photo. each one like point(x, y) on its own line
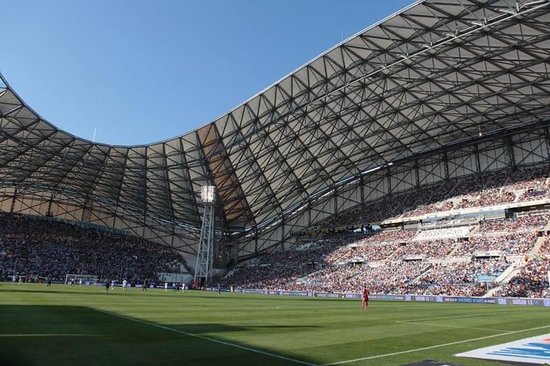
point(407, 298)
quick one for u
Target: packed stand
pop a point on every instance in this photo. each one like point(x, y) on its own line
point(507, 244)
point(374, 247)
point(390, 277)
point(532, 281)
point(39, 248)
point(425, 249)
point(545, 247)
point(463, 278)
point(530, 222)
point(399, 261)
point(276, 270)
point(404, 261)
point(487, 189)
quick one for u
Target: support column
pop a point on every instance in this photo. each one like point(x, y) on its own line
point(203, 266)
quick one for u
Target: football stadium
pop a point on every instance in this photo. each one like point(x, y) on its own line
point(388, 203)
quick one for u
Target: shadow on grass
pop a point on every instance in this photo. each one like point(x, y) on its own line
point(155, 292)
point(93, 290)
point(74, 335)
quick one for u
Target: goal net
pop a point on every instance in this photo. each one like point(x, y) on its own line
point(80, 279)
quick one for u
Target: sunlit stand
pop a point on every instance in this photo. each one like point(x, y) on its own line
point(206, 243)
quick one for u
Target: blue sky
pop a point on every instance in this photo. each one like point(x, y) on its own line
point(141, 71)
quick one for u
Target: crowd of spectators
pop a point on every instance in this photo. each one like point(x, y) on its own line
point(487, 189)
point(419, 260)
point(507, 244)
point(425, 249)
point(545, 247)
point(277, 269)
point(373, 247)
point(388, 277)
point(45, 248)
point(400, 261)
point(531, 281)
point(361, 252)
point(530, 222)
point(462, 278)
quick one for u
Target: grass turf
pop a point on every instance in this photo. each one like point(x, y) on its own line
point(63, 325)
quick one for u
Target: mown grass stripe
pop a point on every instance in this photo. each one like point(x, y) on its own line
point(229, 344)
point(433, 346)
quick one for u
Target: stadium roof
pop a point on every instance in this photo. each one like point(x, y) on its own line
point(439, 72)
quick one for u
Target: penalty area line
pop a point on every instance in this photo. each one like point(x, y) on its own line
point(50, 335)
point(451, 317)
point(432, 347)
point(453, 326)
point(229, 344)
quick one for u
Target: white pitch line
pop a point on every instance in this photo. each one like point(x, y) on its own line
point(453, 326)
point(229, 344)
point(432, 347)
point(453, 317)
point(49, 335)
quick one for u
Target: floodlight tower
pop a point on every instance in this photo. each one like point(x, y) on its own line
point(206, 242)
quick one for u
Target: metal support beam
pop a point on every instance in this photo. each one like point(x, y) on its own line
point(203, 266)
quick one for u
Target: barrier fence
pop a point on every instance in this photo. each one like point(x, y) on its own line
point(411, 298)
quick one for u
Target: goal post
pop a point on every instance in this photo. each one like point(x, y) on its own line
point(81, 279)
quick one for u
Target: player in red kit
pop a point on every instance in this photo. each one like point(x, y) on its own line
point(365, 299)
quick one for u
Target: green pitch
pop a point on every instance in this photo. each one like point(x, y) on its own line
point(64, 325)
